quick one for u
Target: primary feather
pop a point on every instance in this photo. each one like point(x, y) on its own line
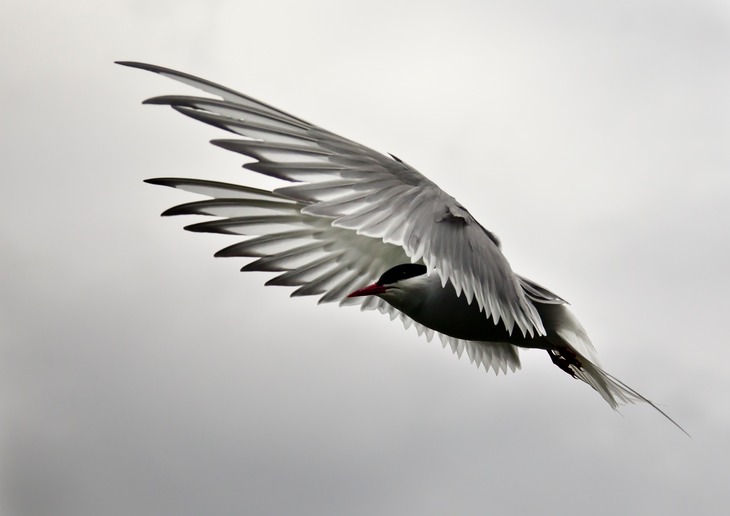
point(349, 213)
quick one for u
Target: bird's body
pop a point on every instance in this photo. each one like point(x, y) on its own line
point(350, 215)
point(426, 301)
point(440, 309)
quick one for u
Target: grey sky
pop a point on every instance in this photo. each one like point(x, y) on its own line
point(141, 376)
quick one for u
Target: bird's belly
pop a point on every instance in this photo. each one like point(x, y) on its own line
point(456, 318)
point(452, 315)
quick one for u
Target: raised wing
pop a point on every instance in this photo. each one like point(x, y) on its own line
point(350, 214)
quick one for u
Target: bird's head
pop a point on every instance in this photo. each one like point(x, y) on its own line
point(400, 281)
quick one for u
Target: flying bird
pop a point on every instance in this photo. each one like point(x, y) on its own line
point(357, 227)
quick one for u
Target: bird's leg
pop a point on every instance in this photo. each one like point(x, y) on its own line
point(564, 358)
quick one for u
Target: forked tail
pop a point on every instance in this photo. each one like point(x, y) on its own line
point(613, 390)
point(572, 351)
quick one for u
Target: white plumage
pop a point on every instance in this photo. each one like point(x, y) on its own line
point(350, 217)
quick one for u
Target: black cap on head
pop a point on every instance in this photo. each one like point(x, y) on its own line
point(401, 272)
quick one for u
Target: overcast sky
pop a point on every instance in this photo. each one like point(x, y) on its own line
point(140, 376)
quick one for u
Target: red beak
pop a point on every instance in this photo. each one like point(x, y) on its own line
point(370, 290)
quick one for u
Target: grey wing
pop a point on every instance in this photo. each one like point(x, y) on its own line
point(308, 253)
point(305, 251)
point(366, 209)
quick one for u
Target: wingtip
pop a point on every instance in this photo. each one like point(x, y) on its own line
point(154, 101)
point(141, 66)
point(208, 227)
point(162, 181)
point(176, 210)
point(134, 64)
point(225, 143)
point(224, 253)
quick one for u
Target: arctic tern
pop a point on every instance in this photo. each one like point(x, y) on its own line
point(358, 227)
